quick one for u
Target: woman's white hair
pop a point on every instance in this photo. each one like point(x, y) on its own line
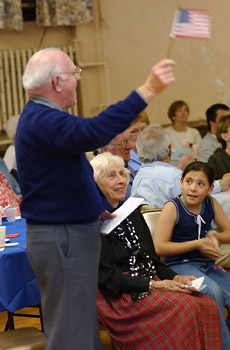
point(104, 162)
point(40, 69)
point(153, 144)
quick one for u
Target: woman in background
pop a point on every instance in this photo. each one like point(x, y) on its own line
point(181, 135)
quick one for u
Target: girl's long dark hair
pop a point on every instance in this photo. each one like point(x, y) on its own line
point(201, 166)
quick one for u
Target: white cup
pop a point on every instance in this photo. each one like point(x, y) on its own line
point(10, 214)
point(2, 237)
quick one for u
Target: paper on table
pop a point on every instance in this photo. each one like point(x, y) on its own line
point(11, 244)
point(122, 212)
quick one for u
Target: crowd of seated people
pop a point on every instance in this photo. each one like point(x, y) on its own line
point(154, 150)
point(144, 304)
point(144, 169)
point(158, 180)
point(124, 144)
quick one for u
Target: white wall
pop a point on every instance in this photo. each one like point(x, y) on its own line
point(131, 35)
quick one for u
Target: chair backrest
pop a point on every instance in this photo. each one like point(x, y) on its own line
point(151, 216)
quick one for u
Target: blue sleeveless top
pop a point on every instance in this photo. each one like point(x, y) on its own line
point(189, 227)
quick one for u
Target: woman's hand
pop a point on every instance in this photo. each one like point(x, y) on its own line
point(184, 279)
point(170, 285)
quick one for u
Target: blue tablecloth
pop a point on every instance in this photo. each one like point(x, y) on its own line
point(18, 286)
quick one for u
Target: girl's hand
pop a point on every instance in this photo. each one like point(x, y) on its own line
point(209, 247)
point(213, 235)
point(170, 285)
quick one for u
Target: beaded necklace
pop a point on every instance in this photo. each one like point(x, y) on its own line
point(140, 263)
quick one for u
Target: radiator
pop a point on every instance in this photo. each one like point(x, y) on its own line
point(13, 97)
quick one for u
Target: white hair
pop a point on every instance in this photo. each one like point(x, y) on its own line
point(40, 69)
point(153, 144)
point(104, 162)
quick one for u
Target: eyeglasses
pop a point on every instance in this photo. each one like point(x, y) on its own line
point(137, 131)
point(123, 143)
point(77, 71)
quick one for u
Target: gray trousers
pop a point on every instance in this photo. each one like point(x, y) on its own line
point(65, 261)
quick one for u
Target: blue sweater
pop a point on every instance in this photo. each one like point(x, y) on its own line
point(55, 176)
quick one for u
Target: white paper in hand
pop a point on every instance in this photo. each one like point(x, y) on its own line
point(122, 212)
point(197, 284)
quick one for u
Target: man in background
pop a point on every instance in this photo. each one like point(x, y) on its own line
point(60, 199)
point(124, 145)
point(209, 143)
point(136, 127)
point(121, 145)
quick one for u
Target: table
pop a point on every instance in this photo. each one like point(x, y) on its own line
point(18, 286)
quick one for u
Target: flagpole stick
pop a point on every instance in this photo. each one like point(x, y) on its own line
point(171, 43)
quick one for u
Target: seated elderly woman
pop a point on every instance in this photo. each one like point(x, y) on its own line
point(143, 303)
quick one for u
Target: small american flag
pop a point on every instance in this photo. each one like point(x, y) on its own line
point(191, 24)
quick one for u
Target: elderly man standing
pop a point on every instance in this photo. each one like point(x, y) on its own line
point(61, 201)
point(158, 181)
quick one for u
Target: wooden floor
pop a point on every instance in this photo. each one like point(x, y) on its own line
point(35, 322)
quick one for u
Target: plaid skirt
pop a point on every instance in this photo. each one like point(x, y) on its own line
point(161, 321)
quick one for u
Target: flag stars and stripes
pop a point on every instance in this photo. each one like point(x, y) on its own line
point(191, 24)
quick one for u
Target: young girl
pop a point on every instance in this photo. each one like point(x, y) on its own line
point(184, 236)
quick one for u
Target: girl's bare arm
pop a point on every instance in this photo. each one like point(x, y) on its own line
point(163, 234)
